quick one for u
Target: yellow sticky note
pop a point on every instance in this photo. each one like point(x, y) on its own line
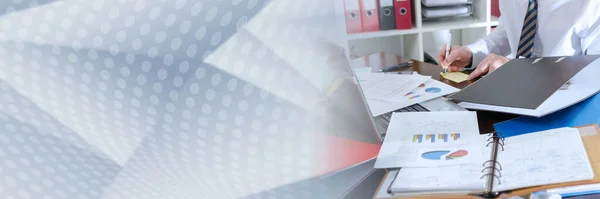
point(457, 77)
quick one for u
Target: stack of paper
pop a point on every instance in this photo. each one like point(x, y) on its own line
point(389, 92)
point(446, 11)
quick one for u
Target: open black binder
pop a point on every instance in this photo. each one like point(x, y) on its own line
point(524, 83)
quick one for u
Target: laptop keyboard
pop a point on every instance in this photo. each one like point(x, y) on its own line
point(413, 108)
point(385, 118)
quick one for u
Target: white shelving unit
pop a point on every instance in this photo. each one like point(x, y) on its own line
point(413, 43)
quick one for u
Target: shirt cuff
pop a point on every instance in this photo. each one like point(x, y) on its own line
point(479, 51)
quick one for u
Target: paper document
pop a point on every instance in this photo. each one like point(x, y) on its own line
point(466, 177)
point(429, 90)
point(457, 77)
point(389, 87)
point(432, 139)
point(541, 158)
point(362, 73)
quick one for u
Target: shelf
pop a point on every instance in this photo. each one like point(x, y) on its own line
point(425, 34)
point(428, 26)
point(494, 21)
point(382, 33)
point(460, 23)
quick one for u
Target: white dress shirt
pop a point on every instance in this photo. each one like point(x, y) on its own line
point(564, 27)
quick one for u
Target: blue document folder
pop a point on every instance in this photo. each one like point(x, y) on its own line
point(582, 113)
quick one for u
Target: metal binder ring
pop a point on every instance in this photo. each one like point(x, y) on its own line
point(489, 174)
point(494, 162)
point(500, 143)
point(497, 170)
point(501, 135)
point(494, 134)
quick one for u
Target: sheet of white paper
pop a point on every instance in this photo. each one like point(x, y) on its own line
point(583, 85)
point(541, 158)
point(466, 177)
point(432, 139)
point(382, 193)
point(382, 86)
point(429, 90)
point(362, 73)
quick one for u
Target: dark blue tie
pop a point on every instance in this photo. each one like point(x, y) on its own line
point(528, 32)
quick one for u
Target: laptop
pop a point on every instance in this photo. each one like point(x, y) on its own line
point(350, 118)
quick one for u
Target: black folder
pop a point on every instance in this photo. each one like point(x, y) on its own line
point(524, 83)
point(386, 15)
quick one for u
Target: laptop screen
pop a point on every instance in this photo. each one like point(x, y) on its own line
point(348, 115)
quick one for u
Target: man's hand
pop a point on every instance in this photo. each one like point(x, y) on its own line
point(488, 65)
point(458, 58)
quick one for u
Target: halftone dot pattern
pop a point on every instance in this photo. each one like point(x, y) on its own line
point(154, 99)
point(40, 165)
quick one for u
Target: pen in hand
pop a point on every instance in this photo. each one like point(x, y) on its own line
point(447, 52)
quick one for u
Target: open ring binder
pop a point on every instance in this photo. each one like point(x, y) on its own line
point(493, 169)
point(525, 167)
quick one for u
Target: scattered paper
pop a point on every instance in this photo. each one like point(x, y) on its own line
point(429, 90)
point(389, 87)
point(457, 77)
point(465, 177)
point(432, 139)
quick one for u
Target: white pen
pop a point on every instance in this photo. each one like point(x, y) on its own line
point(447, 51)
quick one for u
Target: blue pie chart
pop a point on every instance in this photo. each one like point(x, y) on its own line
point(433, 90)
point(434, 155)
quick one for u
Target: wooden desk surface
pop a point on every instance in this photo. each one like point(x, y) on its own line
point(378, 61)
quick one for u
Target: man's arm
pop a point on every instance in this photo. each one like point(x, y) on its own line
point(588, 30)
point(496, 42)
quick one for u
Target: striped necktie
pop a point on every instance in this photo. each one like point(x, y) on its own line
point(528, 31)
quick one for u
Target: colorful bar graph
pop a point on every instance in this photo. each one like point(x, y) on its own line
point(443, 137)
point(455, 136)
point(430, 137)
point(417, 138)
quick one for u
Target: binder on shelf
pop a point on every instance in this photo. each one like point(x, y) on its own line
point(370, 15)
point(386, 15)
point(353, 16)
point(403, 14)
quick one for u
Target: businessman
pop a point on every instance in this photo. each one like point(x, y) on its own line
point(530, 28)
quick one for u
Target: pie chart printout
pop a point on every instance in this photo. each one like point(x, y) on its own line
point(444, 154)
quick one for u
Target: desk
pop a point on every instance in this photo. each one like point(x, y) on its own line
point(378, 61)
point(486, 119)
